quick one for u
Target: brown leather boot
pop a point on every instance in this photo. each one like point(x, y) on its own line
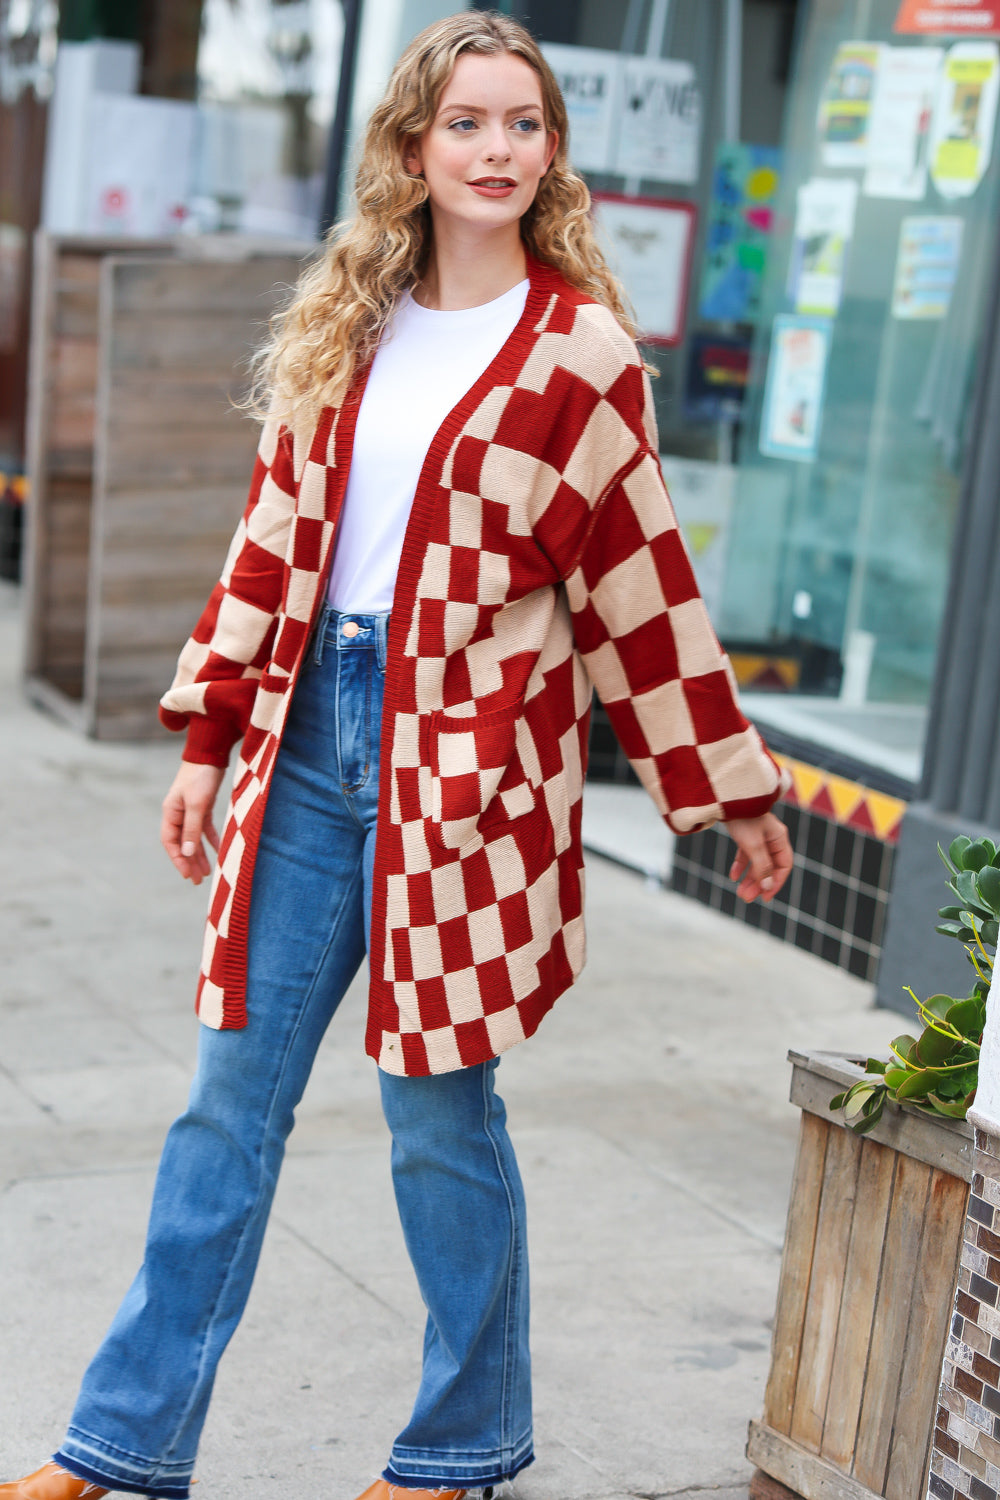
point(383, 1490)
point(51, 1482)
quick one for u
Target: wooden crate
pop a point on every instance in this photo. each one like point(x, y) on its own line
point(865, 1299)
point(138, 465)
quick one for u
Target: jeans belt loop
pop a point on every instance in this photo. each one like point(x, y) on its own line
point(381, 640)
point(320, 636)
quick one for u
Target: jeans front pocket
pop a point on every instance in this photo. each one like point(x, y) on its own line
point(469, 758)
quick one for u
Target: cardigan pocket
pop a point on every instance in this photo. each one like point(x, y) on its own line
point(475, 773)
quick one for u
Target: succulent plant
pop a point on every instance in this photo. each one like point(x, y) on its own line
point(938, 1070)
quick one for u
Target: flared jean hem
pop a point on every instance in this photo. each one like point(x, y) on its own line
point(430, 1469)
point(115, 1470)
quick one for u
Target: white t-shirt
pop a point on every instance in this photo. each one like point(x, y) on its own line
point(425, 364)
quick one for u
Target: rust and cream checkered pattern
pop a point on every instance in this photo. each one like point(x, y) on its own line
point(542, 556)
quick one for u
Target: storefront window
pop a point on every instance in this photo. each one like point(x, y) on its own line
point(267, 81)
point(676, 110)
point(861, 379)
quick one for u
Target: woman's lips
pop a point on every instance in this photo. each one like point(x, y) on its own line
point(493, 187)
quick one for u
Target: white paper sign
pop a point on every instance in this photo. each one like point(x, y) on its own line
point(962, 134)
point(824, 225)
point(899, 129)
point(140, 166)
point(649, 246)
point(660, 131)
point(590, 81)
point(845, 108)
point(793, 390)
point(702, 495)
point(927, 263)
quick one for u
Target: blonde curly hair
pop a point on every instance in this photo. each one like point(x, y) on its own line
point(343, 301)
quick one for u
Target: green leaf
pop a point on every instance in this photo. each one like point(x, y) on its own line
point(976, 856)
point(850, 1096)
point(868, 1101)
point(868, 1122)
point(970, 1080)
point(950, 913)
point(955, 930)
point(988, 887)
point(957, 848)
point(955, 1109)
point(939, 1005)
point(935, 1047)
point(874, 1065)
point(916, 1085)
point(989, 932)
point(902, 1046)
point(894, 1077)
point(964, 886)
point(967, 1017)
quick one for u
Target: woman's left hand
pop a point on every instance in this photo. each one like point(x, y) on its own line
point(764, 858)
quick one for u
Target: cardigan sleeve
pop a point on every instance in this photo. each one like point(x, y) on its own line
point(212, 694)
point(645, 638)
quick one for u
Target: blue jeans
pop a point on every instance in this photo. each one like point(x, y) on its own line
point(141, 1408)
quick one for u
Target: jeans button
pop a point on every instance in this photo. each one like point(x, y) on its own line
point(350, 628)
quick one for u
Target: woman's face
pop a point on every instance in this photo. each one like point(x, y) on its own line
point(487, 148)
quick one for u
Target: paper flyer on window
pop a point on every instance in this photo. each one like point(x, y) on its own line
point(744, 189)
point(845, 108)
point(899, 128)
point(824, 225)
point(703, 495)
point(965, 117)
point(794, 387)
point(927, 264)
point(660, 127)
point(649, 242)
point(590, 81)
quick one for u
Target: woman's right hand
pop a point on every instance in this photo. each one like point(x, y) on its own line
point(187, 818)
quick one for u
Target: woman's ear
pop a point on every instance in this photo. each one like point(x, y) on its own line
point(411, 156)
point(553, 146)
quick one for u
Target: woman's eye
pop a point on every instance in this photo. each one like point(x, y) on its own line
point(527, 124)
point(462, 125)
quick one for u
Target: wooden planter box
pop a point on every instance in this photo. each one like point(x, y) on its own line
point(871, 1259)
point(138, 466)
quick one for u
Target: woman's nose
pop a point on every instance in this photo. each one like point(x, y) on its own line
point(497, 146)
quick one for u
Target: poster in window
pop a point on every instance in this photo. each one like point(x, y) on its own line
point(744, 189)
point(824, 227)
point(965, 117)
point(845, 108)
point(703, 494)
point(660, 127)
point(927, 264)
point(717, 373)
point(948, 18)
point(899, 130)
point(794, 387)
point(648, 242)
point(589, 79)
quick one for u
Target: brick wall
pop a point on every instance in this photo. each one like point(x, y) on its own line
point(965, 1460)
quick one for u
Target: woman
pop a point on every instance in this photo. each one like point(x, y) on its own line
point(461, 433)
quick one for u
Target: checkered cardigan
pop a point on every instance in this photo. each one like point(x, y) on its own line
point(541, 558)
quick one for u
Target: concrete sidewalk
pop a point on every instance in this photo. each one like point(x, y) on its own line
point(650, 1116)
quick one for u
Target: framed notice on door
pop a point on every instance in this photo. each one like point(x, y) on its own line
point(648, 242)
